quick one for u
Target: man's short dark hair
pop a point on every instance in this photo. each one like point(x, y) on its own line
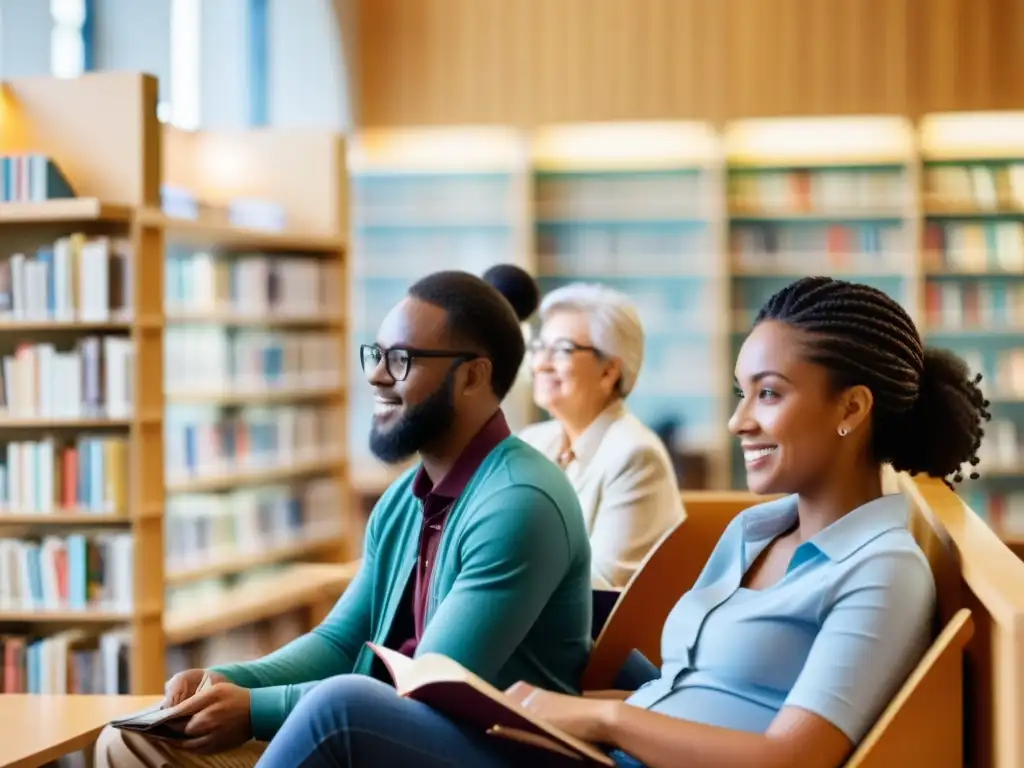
point(480, 319)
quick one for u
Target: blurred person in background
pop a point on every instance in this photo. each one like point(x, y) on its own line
point(585, 361)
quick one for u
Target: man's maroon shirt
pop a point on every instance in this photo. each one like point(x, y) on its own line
point(437, 502)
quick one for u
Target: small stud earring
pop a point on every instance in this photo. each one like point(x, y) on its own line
point(843, 431)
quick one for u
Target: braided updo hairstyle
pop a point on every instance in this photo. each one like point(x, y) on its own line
point(928, 411)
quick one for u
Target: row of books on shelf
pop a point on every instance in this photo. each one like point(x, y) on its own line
point(585, 244)
point(205, 359)
point(629, 266)
point(954, 305)
point(991, 246)
point(206, 528)
point(251, 285)
point(30, 177)
point(849, 241)
point(828, 190)
point(73, 572)
point(975, 186)
point(1004, 511)
point(395, 200)
point(76, 661)
point(87, 474)
point(76, 278)
point(90, 378)
point(621, 195)
point(206, 442)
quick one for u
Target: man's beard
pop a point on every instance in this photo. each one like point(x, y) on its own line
point(419, 425)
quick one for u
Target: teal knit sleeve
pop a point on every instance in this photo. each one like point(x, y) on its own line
point(513, 557)
point(278, 680)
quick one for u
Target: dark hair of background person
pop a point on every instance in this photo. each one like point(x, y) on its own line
point(928, 410)
point(516, 285)
point(480, 319)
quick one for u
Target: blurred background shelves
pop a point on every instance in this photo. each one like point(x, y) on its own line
point(973, 262)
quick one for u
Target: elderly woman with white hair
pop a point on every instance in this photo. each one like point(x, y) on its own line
point(585, 361)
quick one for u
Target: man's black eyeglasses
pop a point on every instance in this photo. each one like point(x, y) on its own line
point(398, 360)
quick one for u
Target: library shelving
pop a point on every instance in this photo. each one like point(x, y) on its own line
point(259, 515)
point(637, 207)
point(81, 544)
point(838, 196)
point(87, 345)
point(423, 200)
point(973, 297)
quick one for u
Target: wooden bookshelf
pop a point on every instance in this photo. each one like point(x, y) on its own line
point(972, 262)
point(118, 163)
point(265, 361)
point(111, 162)
point(423, 200)
point(637, 207)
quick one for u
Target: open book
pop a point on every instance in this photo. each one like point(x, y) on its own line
point(449, 687)
point(166, 723)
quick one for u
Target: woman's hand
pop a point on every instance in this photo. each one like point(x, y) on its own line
point(586, 719)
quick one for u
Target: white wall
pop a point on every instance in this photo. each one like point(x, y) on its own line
point(307, 78)
point(24, 38)
point(133, 35)
point(224, 64)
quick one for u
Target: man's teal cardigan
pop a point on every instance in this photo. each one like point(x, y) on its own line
point(510, 597)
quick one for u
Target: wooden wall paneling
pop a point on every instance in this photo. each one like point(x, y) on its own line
point(531, 62)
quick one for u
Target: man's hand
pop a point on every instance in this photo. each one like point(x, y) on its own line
point(184, 684)
point(219, 719)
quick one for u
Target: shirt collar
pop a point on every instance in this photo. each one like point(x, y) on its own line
point(455, 481)
point(839, 540)
point(585, 446)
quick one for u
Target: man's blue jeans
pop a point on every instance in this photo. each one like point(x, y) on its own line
point(353, 721)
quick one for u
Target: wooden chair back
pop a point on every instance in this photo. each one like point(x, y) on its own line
point(974, 570)
point(964, 703)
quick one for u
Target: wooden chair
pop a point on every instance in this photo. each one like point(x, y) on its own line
point(951, 711)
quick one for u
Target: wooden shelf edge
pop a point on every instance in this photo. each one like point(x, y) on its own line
point(252, 477)
point(64, 517)
point(296, 586)
point(228, 235)
point(62, 210)
point(244, 561)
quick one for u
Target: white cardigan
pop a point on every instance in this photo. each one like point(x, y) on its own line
point(626, 485)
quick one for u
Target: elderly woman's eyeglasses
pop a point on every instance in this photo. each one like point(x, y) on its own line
point(398, 360)
point(560, 351)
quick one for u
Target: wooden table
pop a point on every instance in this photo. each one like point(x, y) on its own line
point(35, 729)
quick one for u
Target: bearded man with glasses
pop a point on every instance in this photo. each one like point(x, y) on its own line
point(478, 553)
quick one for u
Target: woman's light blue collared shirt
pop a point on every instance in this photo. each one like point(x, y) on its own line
point(837, 635)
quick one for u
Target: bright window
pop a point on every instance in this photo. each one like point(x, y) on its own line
point(67, 39)
point(183, 109)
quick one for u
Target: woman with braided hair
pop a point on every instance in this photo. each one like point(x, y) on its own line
point(812, 609)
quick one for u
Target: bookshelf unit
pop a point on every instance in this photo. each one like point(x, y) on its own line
point(973, 295)
point(259, 516)
point(81, 591)
point(423, 200)
point(834, 195)
point(637, 207)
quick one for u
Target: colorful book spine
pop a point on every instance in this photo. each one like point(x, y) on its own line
point(31, 178)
